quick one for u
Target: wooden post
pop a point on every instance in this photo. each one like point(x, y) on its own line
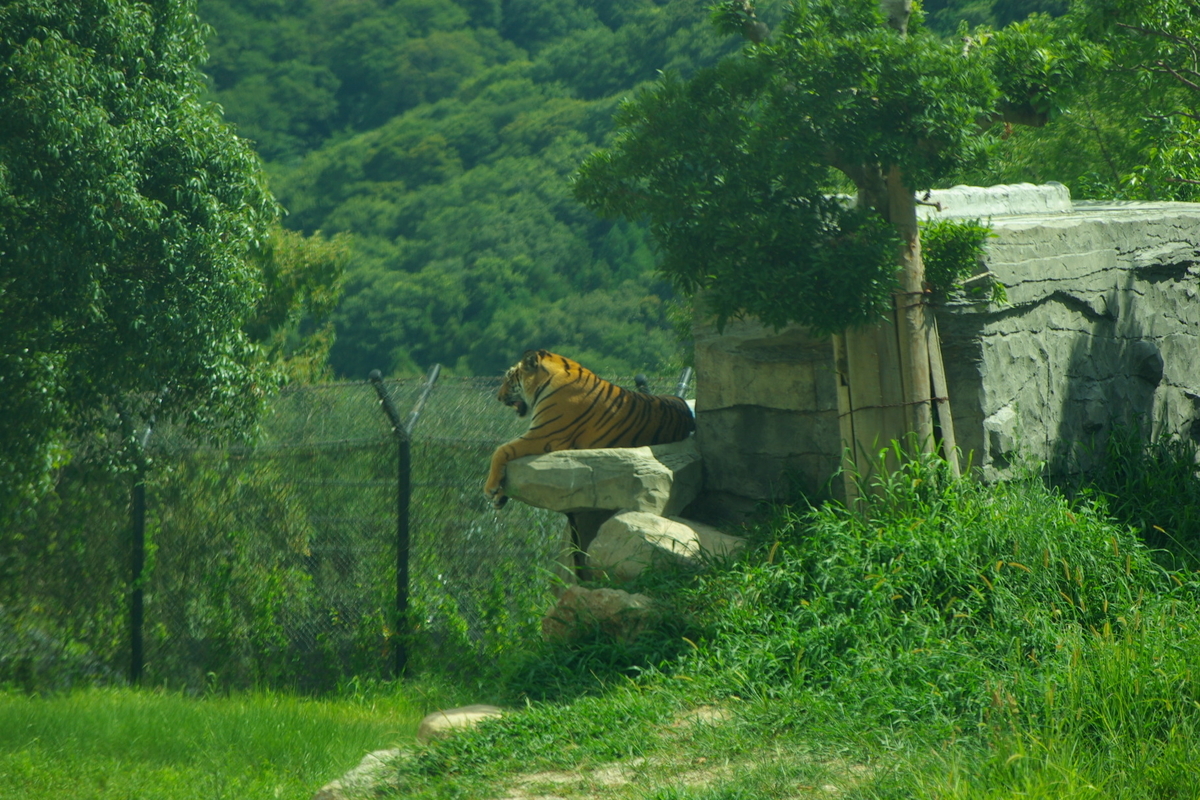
point(911, 318)
point(872, 408)
point(890, 376)
point(941, 398)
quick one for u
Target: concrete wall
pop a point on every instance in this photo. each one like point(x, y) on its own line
point(1102, 325)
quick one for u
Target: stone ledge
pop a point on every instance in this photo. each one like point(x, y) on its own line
point(1003, 200)
point(661, 479)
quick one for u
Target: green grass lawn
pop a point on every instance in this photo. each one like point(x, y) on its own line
point(950, 641)
point(124, 744)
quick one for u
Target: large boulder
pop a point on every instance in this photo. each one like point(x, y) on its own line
point(619, 614)
point(630, 541)
point(660, 479)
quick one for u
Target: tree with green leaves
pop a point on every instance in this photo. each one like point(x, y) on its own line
point(133, 236)
point(1153, 49)
point(736, 168)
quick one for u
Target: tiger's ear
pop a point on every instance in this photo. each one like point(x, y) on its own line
point(532, 358)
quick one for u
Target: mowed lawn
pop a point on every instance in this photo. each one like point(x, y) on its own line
point(120, 744)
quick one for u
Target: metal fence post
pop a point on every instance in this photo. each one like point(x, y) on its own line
point(402, 432)
point(137, 562)
point(685, 378)
point(137, 565)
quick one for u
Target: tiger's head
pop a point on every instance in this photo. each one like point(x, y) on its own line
point(522, 381)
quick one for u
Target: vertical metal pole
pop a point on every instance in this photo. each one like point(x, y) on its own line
point(403, 491)
point(137, 565)
point(137, 556)
point(403, 498)
point(685, 378)
point(402, 432)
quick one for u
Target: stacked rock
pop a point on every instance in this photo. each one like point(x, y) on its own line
point(623, 505)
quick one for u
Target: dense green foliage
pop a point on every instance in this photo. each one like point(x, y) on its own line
point(1129, 132)
point(953, 251)
point(442, 136)
point(944, 16)
point(128, 217)
point(143, 273)
point(733, 168)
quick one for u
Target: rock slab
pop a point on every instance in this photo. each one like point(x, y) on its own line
point(365, 780)
point(660, 479)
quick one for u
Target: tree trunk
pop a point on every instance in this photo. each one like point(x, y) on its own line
point(891, 376)
point(911, 323)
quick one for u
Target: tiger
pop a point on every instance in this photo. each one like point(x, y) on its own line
point(575, 409)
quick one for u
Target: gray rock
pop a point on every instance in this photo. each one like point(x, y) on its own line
point(371, 775)
point(441, 724)
point(617, 613)
point(661, 479)
point(630, 541)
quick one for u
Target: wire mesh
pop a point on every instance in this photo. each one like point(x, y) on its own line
point(276, 564)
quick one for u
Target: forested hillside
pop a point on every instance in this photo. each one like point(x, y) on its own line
point(442, 135)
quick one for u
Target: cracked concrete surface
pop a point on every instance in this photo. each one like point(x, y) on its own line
point(1102, 327)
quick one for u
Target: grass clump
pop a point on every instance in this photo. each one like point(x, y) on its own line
point(1153, 486)
point(940, 597)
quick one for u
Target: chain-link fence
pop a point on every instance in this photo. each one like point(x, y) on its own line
point(276, 564)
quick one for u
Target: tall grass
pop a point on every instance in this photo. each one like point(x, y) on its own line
point(1153, 486)
point(949, 640)
point(955, 640)
point(944, 594)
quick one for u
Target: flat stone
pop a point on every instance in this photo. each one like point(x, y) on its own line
point(630, 541)
point(661, 478)
point(441, 724)
point(366, 780)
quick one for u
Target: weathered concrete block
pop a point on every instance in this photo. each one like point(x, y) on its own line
point(1006, 199)
point(1101, 327)
point(661, 479)
point(630, 541)
point(766, 418)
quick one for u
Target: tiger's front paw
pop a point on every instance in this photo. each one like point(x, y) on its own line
point(496, 495)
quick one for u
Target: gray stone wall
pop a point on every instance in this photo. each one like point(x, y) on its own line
point(1102, 326)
